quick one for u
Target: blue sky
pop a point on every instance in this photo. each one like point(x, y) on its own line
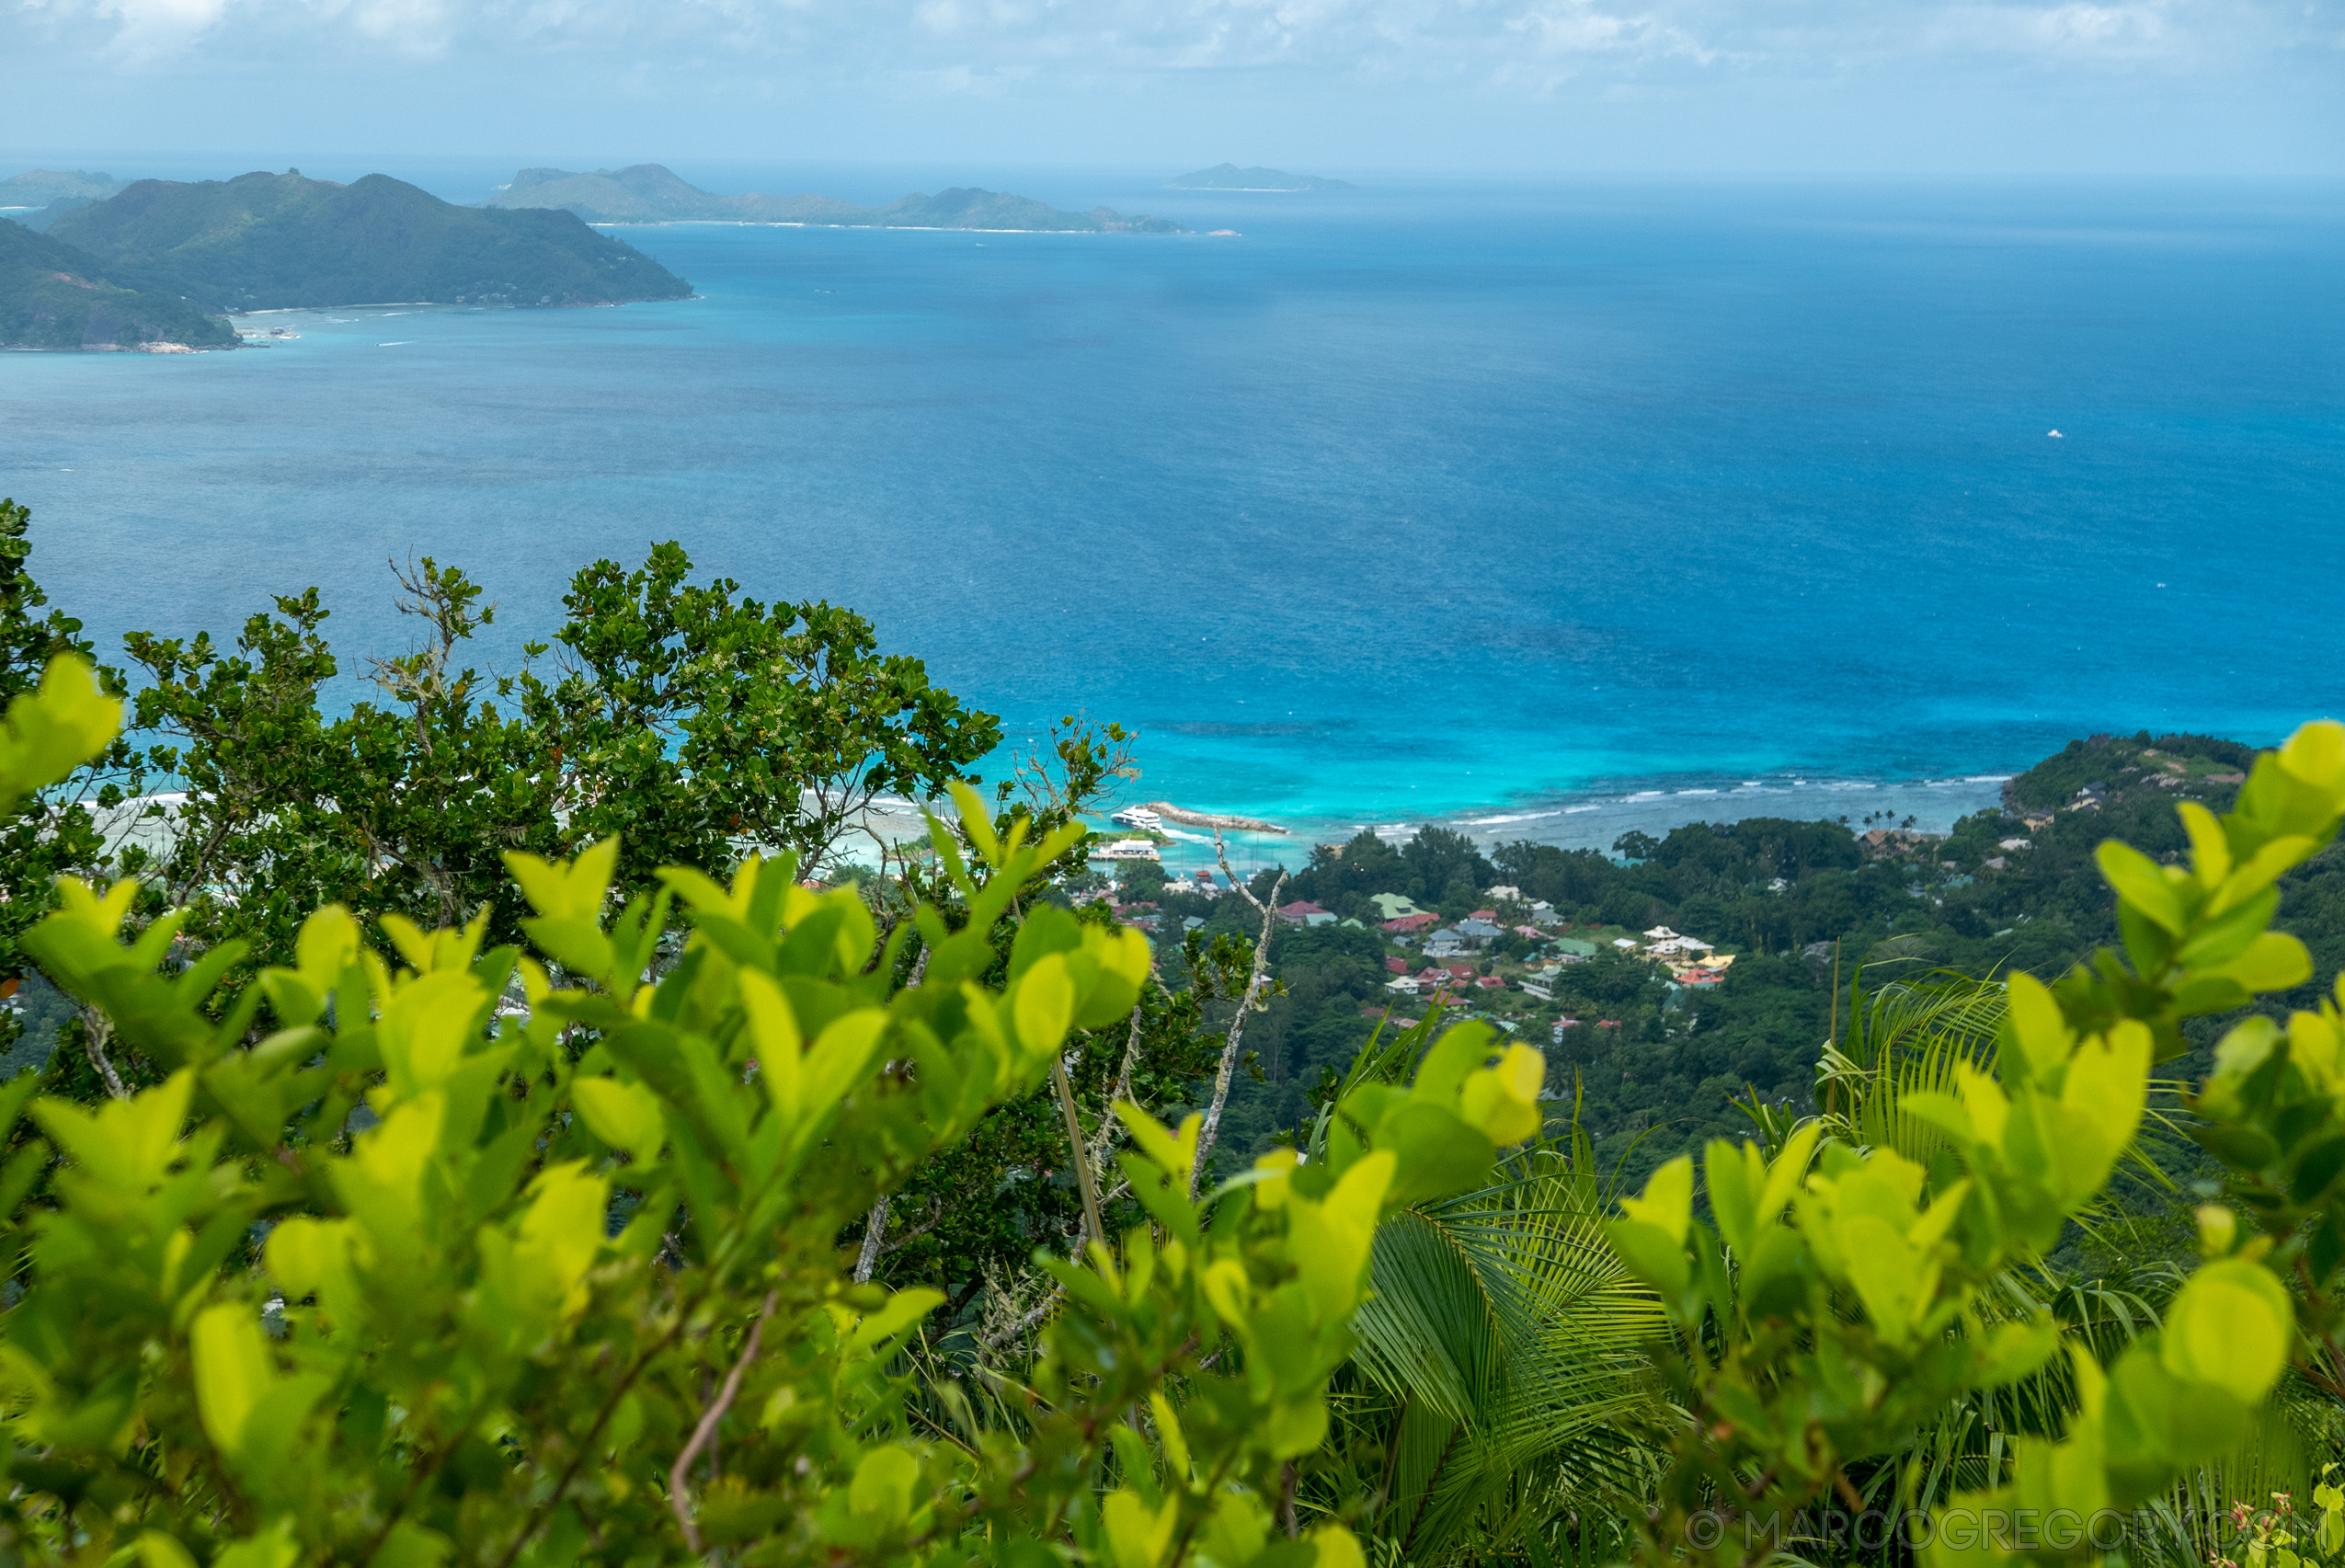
point(2231, 88)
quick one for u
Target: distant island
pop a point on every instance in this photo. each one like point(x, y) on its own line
point(155, 265)
point(55, 296)
point(650, 194)
point(39, 199)
point(1229, 176)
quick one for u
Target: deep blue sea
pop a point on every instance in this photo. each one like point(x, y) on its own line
point(1452, 500)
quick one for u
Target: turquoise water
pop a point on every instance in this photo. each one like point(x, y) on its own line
point(1463, 501)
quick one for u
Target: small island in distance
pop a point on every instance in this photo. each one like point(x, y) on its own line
point(1229, 176)
point(650, 194)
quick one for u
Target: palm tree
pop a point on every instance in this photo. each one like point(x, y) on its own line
point(1498, 1384)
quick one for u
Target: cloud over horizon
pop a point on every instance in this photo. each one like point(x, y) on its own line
point(2262, 78)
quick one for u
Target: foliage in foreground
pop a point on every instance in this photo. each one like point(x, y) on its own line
point(1842, 1297)
point(562, 1282)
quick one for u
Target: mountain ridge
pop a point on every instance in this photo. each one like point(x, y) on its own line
point(273, 242)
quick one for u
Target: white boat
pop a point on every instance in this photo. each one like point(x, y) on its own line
point(1138, 817)
point(1124, 849)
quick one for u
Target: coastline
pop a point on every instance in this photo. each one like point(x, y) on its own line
point(1593, 818)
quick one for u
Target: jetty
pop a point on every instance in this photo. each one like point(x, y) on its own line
point(1172, 813)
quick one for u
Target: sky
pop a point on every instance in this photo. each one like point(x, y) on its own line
point(2220, 89)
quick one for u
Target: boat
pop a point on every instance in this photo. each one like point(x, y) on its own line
point(1138, 817)
point(1124, 849)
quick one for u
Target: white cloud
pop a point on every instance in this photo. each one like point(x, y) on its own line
point(2075, 29)
point(1505, 44)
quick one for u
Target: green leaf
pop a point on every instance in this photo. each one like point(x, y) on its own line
point(2232, 1326)
point(232, 1371)
point(882, 1489)
point(1652, 1255)
point(2144, 884)
point(1667, 1204)
point(47, 733)
point(624, 1116)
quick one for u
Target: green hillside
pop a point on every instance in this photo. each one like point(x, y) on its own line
point(266, 242)
point(54, 296)
point(650, 194)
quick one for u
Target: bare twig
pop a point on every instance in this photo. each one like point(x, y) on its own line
point(1248, 1002)
point(874, 1231)
point(96, 1028)
point(679, 1498)
point(1092, 1229)
point(876, 1223)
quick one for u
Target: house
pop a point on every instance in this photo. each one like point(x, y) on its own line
point(1444, 945)
point(1401, 925)
point(1607, 1023)
point(1490, 915)
point(1698, 977)
point(1393, 906)
point(1995, 863)
point(1397, 966)
point(1538, 986)
point(1303, 912)
point(1401, 985)
point(1490, 982)
point(1573, 947)
point(1476, 930)
point(1564, 1023)
point(1531, 932)
point(1624, 943)
point(1458, 971)
point(1543, 913)
point(2014, 844)
point(1503, 894)
point(1660, 933)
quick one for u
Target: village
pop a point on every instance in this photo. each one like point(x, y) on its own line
point(1501, 963)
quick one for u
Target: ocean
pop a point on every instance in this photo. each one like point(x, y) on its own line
point(1531, 507)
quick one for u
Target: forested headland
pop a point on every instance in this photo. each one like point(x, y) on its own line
point(160, 262)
